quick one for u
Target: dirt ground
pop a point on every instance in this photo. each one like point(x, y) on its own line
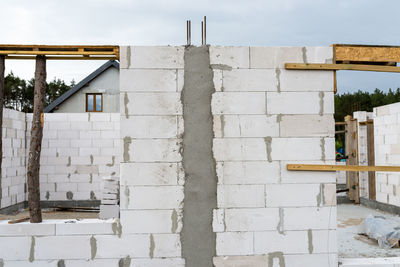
point(50, 214)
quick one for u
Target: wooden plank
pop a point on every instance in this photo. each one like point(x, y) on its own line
point(351, 148)
point(60, 53)
point(334, 168)
point(340, 123)
point(364, 53)
point(331, 67)
point(371, 161)
point(63, 58)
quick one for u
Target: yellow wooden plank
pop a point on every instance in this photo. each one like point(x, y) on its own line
point(332, 67)
point(368, 53)
point(332, 168)
point(61, 53)
point(64, 58)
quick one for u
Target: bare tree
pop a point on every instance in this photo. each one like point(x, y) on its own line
point(35, 211)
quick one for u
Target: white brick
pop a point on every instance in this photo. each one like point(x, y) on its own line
point(244, 196)
point(85, 227)
point(246, 80)
point(149, 173)
point(140, 80)
point(324, 241)
point(150, 221)
point(274, 57)
point(72, 134)
point(307, 126)
point(151, 104)
point(245, 126)
point(294, 148)
point(15, 248)
point(243, 243)
point(84, 151)
point(167, 245)
point(254, 172)
point(163, 150)
point(292, 242)
point(26, 229)
point(238, 103)
point(93, 116)
point(260, 219)
point(306, 81)
point(317, 218)
point(295, 195)
point(62, 247)
point(168, 262)
point(151, 197)
point(301, 260)
point(238, 149)
point(234, 57)
point(300, 103)
point(156, 57)
point(112, 246)
point(150, 126)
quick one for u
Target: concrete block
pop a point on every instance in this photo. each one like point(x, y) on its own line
point(84, 227)
point(305, 81)
point(153, 150)
point(166, 245)
point(62, 247)
point(15, 248)
point(324, 241)
point(246, 126)
point(65, 134)
point(229, 57)
point(307, 126)
point(145, 80)
point(152, 197)
point(156, 57)
point(293, 148)
point(75, 117)
point(243, 243)
point(151, 221)
point(151, 104)
point(240, 196)
point(292, 242)
point(92, 263)
point(319, 54)
point(300, 103)
point(251, 172)
point(317, 218)
point(238, 103)
point(168, 262)
point(311, 260)
point(295, 195)
point(232, 261)
point(99, 116)
point(274, 57)
point(85, 151)
point(112, 246)
point(218, 222)
point(249, 220)
point(150, 127)
point(246, 80)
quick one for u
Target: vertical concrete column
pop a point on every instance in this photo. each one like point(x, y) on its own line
point(197, 236)
point(2, 68)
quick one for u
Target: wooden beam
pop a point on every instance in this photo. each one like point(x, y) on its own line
point(61, 52)
point(333, 168)
point(332, 67)
point(366, 53)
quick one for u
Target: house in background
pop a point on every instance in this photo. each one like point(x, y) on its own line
point(98, 92)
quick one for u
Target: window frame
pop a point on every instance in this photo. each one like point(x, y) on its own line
point(94, 102)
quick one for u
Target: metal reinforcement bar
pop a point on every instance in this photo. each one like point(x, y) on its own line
point(333, 168)
point(61, 52)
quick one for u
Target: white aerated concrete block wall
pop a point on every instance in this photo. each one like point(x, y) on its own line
point(363, 116)
point(13, 167)
point(151, 81)
point(78, 149)
point(387, 152)
point(264, 118)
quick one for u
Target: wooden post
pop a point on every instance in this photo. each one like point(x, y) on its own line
point(2, 68)
point(352, 158)
point(35, 211)
point(371, 161)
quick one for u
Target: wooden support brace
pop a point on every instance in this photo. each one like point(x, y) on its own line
point(333, 168)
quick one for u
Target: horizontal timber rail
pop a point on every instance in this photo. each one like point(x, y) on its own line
point(357, 67)
point(61, 52)
point(333, 168)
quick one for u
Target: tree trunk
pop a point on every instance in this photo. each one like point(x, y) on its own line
point(2, 67)
point(35, 211)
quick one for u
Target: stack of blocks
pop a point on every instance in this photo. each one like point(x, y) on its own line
point(387, 152)
point(78, 149)
point(362, 133)
point(12, 182)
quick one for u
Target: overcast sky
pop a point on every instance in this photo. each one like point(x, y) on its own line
point(229, 22)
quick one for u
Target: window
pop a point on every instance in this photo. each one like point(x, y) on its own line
point(94, 102)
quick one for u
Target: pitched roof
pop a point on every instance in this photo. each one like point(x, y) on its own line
point(81, 84)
